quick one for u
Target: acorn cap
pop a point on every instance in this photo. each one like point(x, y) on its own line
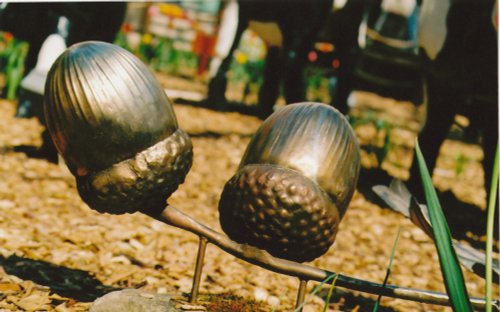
point(278, 210)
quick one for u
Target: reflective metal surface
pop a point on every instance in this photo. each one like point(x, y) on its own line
point(103, 105)
point(314, 139)
point(142, 182)
point(294, 183)
point(116, 129)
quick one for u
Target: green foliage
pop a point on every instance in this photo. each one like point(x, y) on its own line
point(382, 128)
point(359, 121)
point(121, 40)
point(318, 88)
point(460, 163)
point(161, 54)
point(330, 292)
point(246, 72)
point(15, 67)
point(393, 252)
point(316, 289)
point(450, 267)
point(12, 58)
point(162, 60)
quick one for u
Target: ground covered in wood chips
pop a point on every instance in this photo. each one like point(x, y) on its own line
point(56, 254)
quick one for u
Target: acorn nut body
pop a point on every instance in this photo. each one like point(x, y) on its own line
point(294, 183)
point(113, 124)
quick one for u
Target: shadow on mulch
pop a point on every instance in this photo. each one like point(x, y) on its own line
point(348, 301)
point(66, 282)
point(466, 221)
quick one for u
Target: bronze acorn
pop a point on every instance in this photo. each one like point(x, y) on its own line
point(294, 183)
point(115, 127)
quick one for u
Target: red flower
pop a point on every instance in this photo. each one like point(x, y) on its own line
point(127, 27)
point(7, 36)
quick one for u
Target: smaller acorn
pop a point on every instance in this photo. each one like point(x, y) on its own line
point(115, 127)
point(294, 183)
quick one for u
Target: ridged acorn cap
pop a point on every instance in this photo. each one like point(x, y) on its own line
point(112, 122)
point(294, 182)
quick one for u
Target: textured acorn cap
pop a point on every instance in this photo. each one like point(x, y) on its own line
point(278, 210)
point(294, 183)
point(115, 127)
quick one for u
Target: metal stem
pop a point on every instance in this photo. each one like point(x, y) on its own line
point(198, 269)
point(301, 295)
point(259, 257)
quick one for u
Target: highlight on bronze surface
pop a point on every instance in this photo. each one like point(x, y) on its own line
point(116, 129)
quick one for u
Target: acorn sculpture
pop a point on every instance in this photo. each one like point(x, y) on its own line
point(116, 129)
point(294, 183)
point(113, 124)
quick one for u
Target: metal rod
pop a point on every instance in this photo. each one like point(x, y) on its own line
point(198, 269)
point(301, 295)
point(259, 257)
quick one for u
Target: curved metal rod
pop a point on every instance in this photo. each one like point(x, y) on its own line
point(174, 217)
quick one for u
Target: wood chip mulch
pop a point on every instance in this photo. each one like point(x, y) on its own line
point(56, 254)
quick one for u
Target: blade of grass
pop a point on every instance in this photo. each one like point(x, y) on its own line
point(375, 307)
point(450, 268)
point(489, 234)
point(330, 292)
point(315, 290)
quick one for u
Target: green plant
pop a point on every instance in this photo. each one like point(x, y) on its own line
point(316, 289)
point(246, 73)
point(393, 252)
point(450, 267)
point(363, 120)
point(382, 126)
point(330, 292)
point(460, 163)
point(163, 55)
point(6, 47)
point(121, 40)
point(489, 233)
point(15, 67)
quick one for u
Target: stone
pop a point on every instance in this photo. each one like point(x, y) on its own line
point(133, 300)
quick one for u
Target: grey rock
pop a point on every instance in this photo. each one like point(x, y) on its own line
point(133, 300)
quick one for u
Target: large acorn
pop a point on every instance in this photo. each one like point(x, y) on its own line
point(113, 124)
point(294, 183)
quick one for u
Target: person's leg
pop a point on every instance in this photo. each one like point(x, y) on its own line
point(216, 97)
point(442, 106)
point(270, 88)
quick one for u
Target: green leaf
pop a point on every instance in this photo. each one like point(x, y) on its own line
point(15, 68)
point(330, 292)
point(489, 234)
point(450, 268)
point(315, 290)
point(375, 307)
